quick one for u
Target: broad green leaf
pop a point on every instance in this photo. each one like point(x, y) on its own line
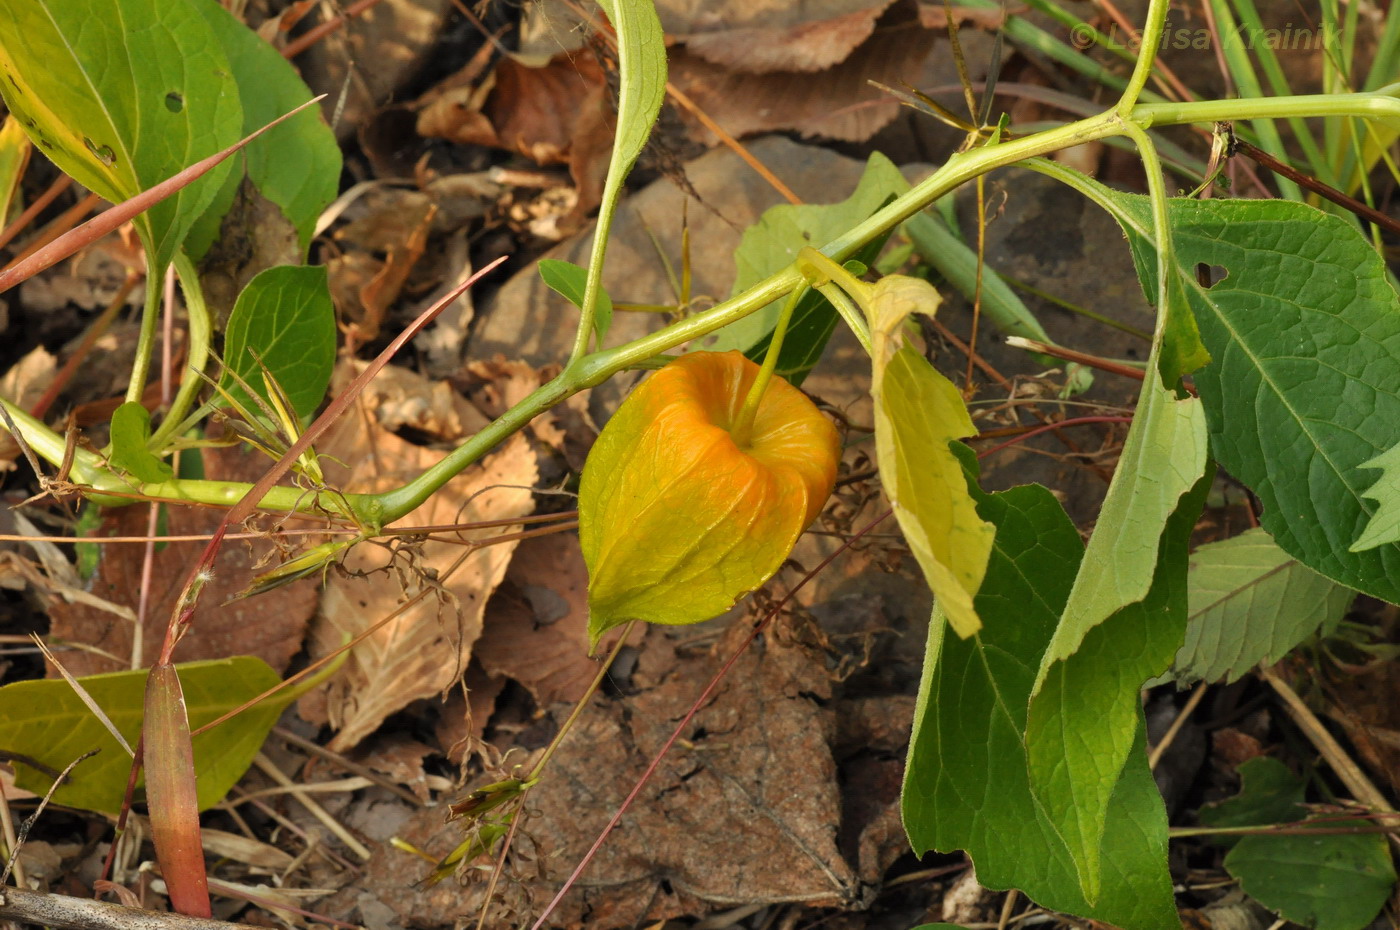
point(1085, 716)
point(283, 318)
point(772, 244)
point(47, 721)
point(122, 94)
point(297, 164)
point(1304, 389)
point(1250, 602)
point(1384, 525)
point(1269, 794)
point(966, 784)
point(1163, 456)
point(918, 412)
point(1328, 881)
point(569, 281)
point(131, 427)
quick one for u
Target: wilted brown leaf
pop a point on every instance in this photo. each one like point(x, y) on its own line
point(836, 102)
point(813, 45)
point(557, 114)
point(536, 625)
point(423, 650)
point(747, 812)
point(269, 626)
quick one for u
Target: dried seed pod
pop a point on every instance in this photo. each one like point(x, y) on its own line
point(677, 519)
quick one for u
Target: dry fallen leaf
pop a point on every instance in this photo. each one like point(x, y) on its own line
point(747, 812)
point(536, 624)
point(556, 114)
point(836, 102)
point(423, 650)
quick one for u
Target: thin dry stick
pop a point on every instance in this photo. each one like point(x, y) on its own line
point(56, 910)
point(317, 33)
point(1049, 428)
point(538, 769)
point(1160, 749)
point(34, 209)
point(689, 715)
point(354, 768)
point(308, 802)
point(94, 332)
point(7, 823)
point(1348, 771)
point(108, 220)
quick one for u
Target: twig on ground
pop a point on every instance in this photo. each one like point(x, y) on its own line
point(1348, 771)
point(58, 910)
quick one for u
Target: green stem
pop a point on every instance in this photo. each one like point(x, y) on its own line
point(591, 370)
point(1161, 221)
point(1147, 56)
point(1383, 104)
point(743, 427)
point(146, 340)
point(201, 329)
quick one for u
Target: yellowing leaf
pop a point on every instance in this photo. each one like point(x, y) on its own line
point(917, 413)
point(677, 521)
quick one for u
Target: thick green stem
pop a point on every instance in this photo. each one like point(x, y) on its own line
point(591, 370)
point(146, 340)
point(201, 330)
point(1157, 11)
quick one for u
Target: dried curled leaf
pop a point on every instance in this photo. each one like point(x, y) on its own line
point(676, 520)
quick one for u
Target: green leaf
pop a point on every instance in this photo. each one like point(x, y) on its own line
point(1269, 794)
point(569, 281)
point(1085, 716)
point(47, 721)
point(295, 165)
point(1251, 602)
point(1304, 389)
point(772, 244)
point(1384, 525)
point(131, 428)
point(1327, 882)
point(966, 784)
point(284, 318)
point(121, 108)
point(918, 412)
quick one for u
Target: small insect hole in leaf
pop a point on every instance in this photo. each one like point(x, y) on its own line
point(102, 153)
point(174, 102)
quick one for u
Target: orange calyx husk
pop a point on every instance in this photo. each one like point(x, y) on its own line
point(676, 520)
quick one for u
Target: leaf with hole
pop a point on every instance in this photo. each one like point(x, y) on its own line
point(1303, 394)
point(47, 722)
point(295, 165)
point(119, 108)
point(283, 320)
